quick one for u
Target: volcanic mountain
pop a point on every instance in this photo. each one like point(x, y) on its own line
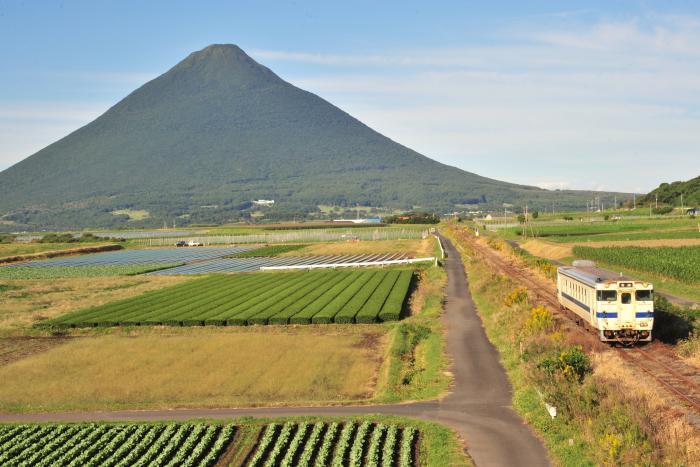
point(215, 132)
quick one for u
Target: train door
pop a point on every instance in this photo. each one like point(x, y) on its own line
point(626, 309)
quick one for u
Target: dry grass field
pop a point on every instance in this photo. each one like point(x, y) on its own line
point(23, 302)
point(417, 248)
point(193, 368)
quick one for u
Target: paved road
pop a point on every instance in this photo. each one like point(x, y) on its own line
point(478, 406)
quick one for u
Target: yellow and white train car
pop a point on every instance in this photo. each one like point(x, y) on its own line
point(621, 309)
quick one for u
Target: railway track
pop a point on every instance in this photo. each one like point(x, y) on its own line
point(656, 360)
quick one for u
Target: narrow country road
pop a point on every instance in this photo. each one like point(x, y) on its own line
point(478, 407)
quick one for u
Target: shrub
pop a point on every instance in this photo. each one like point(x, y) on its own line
point(517, 296)
point(572, 363)
point(539, 321)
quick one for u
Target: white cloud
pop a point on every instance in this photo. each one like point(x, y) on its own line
point(595, 107)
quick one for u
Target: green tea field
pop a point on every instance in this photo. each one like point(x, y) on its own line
point(359, 296)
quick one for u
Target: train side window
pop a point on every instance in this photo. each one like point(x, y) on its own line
point(626, 298)
point(607, 295)
point(643, 295)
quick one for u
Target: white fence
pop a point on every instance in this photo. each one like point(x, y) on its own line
point(432, 259)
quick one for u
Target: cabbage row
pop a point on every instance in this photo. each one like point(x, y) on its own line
point(131, 444)
point(349, 444)
point(357, 296)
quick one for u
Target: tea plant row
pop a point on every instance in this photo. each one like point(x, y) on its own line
point(357, 296)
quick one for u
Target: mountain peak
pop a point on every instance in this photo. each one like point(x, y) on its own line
point(221, 52)
point(224, 63)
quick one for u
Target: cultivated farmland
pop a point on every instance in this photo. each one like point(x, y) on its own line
point(56, 272)
point(134, 257)
point(114, 445)
point(256, 263)
point(349, 444)
point(680, 263)
point(304, 444)
point(357, 296)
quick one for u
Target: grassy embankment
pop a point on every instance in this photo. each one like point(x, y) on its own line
point(605, 416)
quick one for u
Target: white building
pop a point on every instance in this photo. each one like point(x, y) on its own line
point(263, 202)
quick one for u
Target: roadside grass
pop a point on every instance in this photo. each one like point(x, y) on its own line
point(196, 369)
point(602, 419)
point(415, 365)
point(26, 302)
point(417, 248)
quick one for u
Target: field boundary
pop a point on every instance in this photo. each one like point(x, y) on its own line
point(56, 253)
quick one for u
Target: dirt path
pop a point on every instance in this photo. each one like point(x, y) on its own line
point(478, 408)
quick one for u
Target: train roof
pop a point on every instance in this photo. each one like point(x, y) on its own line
point(592, 275)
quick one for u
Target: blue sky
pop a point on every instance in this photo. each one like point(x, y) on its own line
point(592, 95)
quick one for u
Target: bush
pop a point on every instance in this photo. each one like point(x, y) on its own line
point(517, 296)
point(539, 321)
point(663, 210)
point(572, 363)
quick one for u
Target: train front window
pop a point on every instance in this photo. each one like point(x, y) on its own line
point(643, 295)
point(607, 295)
point(626, 298)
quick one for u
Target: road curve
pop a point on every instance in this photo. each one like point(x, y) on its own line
point(478, 407)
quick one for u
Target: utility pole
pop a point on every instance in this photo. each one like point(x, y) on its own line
point(634, 197)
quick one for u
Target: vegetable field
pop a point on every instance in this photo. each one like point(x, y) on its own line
point(675, 262)
point(360, 443)
point(320, 296)
point(114, 445)
point(350, 444)
point(56, 272)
